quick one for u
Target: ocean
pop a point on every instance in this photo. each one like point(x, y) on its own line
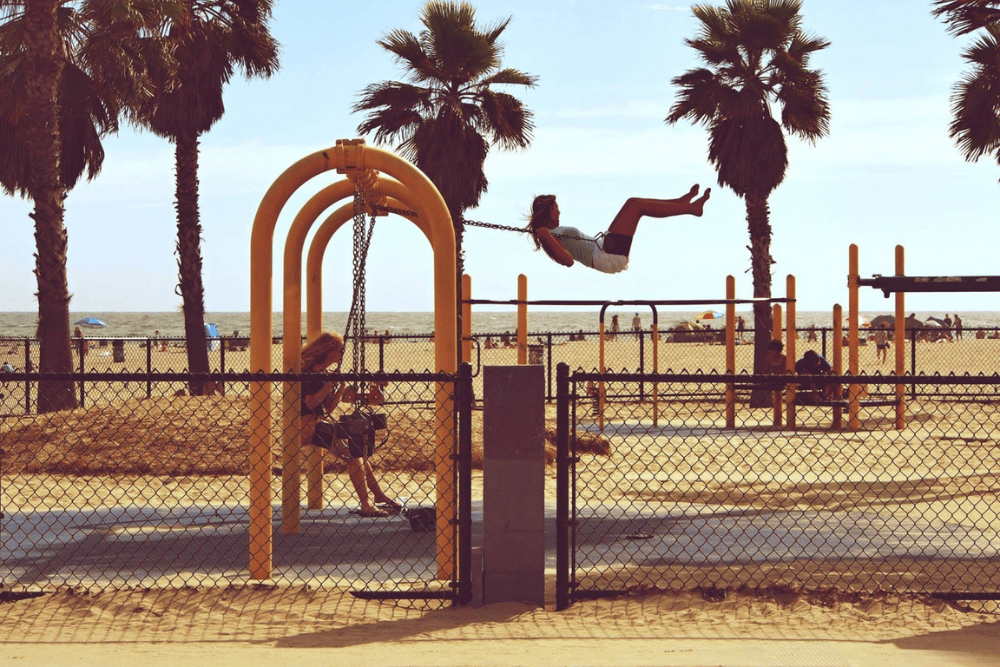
point(171, 324)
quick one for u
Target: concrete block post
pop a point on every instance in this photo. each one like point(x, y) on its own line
point(514, 484)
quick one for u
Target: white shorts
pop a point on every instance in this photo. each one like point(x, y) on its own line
point(606, 262)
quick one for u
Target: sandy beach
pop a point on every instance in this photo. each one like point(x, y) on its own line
point(779, 623)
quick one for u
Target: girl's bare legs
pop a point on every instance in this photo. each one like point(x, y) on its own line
point(635, 208)
point(356, 469)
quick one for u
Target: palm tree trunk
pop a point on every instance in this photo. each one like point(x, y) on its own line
point(759, 226)
point(189, 256)
point(42, 46)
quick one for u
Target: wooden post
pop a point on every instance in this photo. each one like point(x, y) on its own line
point(776, 335)
point(730, 350)
point(838, 359)
point(854, 389)
point(791, 336)
point(466, 319)
point(522, 319)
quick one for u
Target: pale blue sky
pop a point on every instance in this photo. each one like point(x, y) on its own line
point(888, 174)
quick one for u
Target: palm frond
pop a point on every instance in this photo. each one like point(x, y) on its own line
point(966, 16)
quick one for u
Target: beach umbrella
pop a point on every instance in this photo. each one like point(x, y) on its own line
point(863, 322)
point(709, 315)
point(90, 323)
point(890, 322)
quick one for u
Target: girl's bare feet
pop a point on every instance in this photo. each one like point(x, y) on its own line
point(699, 204)
point(690, 194)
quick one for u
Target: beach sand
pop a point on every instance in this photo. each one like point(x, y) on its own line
point(230, 625)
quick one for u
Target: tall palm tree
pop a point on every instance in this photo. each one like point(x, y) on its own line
point(209, 40)
point(65, 69)
point(448, 116)
point(757, 58)
point(975, 124)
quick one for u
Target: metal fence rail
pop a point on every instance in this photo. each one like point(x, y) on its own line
point(930, 351)
point(672, 498)
point(151, 488)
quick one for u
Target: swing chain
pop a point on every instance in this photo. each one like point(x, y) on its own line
point(356, 324)
point(477, 223)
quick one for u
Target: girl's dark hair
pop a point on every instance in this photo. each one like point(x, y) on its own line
point(540, 214)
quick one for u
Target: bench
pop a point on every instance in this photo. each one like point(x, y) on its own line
point(787, 395)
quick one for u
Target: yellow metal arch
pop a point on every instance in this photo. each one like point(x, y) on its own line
point(362, 165)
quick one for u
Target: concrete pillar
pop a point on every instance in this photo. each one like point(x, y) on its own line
point(514, 484)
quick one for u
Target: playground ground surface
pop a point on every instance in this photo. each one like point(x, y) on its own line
point(230, 627)
point(290, 625)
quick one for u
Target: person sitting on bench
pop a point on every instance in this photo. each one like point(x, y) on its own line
point(811, 390)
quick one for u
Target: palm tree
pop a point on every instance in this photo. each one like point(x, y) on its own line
point(208, 40)
point(65, 68)
point(966, 16)
point(975, 124)
point(757, 57)
point(447, 118)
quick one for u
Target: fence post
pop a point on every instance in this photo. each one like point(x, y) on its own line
point(27, 368)
point(79, 350)
point(149, 367)
point(464, 399)
point(548, 367)
point(913, 359)
point(562, 486)
point(642, 363)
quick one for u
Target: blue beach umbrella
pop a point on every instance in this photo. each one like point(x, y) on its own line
point(710, 315)
point(90, 323)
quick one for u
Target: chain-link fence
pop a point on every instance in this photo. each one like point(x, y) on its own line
point(146, 486)
point(708, 493)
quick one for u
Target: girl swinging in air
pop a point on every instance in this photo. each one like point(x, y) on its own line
point(608, 251)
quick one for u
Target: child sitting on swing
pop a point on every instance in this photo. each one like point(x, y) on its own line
point(607, 252)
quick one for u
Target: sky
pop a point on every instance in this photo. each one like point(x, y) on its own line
point(887, 175)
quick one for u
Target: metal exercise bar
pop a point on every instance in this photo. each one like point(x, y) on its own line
point(639, 302)
point(892, 284)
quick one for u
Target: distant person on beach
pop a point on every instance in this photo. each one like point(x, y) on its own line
point(608, 251)
point(882, 343)
point(958, 327)
point(614, 327)
point(84, 346)
point(741, 326)
point(637, 325)
point(319, 398)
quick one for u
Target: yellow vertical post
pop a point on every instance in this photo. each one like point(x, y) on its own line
point(791, 335)
point(291, 346)
point(730, 350)
point(776, 335)
point(312, 460)
point(260, 532)
point(466, 318)
point(853, 389)
point(900, 342)
point(838, 359)
point(522, 319)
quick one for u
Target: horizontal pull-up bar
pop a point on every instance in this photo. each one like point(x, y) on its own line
point(675, 302)
point(891, 284)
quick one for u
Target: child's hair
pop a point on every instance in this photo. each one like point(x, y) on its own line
point(540, 214)
point(320, 348)
point(776, 345)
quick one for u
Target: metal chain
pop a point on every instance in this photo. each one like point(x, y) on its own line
point(485, 225)
point(356, 324)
